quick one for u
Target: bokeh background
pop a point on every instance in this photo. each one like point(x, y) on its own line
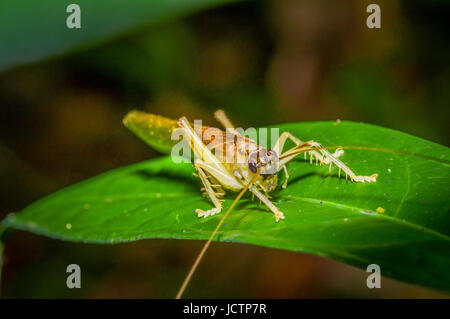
point(264, 62)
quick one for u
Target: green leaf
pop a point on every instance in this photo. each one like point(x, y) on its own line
point(33, 30)
point(325, 215)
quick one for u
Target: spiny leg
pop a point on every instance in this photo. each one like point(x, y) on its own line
point(311, 146)
point(279, 144)
point(278, 147)
point(218, 189)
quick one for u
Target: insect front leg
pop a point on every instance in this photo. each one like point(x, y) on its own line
point(311, 146)
point(279, 144)
point(287, 176)
point(278, 215)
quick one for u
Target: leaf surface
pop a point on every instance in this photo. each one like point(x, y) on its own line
point(325, 215)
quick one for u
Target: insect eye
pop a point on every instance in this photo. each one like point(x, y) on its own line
point(252, 166)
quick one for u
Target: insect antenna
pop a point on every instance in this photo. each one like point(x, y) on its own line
point(205, 247)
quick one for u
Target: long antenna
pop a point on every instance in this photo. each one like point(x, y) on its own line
point(205, 247)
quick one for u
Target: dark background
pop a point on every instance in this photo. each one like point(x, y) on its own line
point(264, 63)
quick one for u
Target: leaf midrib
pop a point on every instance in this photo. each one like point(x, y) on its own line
point(390, 218)
point(287, 197)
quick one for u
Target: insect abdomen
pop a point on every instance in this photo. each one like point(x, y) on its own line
point(155, 130)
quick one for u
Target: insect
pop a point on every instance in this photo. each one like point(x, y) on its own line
point(228, 161)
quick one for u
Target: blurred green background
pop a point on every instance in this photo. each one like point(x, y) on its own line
point(263, 62)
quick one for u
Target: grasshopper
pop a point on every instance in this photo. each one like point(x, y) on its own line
point(244, 157)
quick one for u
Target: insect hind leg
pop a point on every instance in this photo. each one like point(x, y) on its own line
point(225, 121)
point(209, 191)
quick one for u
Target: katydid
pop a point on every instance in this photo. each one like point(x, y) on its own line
point(239, 159)
point(237, 164)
